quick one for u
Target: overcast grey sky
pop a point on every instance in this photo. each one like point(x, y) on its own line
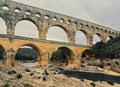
point(104, 12)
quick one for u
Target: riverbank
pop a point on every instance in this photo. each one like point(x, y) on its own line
point(24, 75)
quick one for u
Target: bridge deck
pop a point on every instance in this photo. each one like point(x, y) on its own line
point(42, 40)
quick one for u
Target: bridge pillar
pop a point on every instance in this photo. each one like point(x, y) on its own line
point(42, 35)
point(10, 27)
point(89, 39)
point(71, 37)
point(44, 59)
point(42, 30)
point(10, 56)
point(104, 38)
point(74, 62)
point(10, 19)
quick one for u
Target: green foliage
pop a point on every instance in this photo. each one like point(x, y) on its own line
point(111, 83)
point(98, 49)
point(111, 49)
point(59, 55)
point(26, 54)
point(1, 53)
point(11, 72)
point(6, 85)
point(19, 76)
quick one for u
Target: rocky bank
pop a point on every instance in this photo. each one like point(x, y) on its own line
point(50, 76)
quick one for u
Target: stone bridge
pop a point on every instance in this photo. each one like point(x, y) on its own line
point(11, 44)
point(13, 12)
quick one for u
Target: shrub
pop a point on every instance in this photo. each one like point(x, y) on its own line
point(11, 72)
point(19, 76)
point(6, 85)
point(27, 85)
point(111, 83)
point(27, 70)
point(93, 84)
point(31, 74)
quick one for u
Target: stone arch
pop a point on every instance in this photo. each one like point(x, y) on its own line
point(38, 14)
point(81, 37)
point(5, 7)
point(109, 38)
point(28, 12)
point(2, 54)
point(61, 35)
point(63, 55)
point(3, 26)
point(34, 47)
point(87, 53)
point(31, 31)
point(18, 10)
point(30, 45)
point(96, 38)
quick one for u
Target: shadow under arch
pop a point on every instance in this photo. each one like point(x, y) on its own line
point(109, 38)
point(2, 54)
point(87, 53)
point(26, 26)
point(63, 56)
point(59, 30)
point(35, 52)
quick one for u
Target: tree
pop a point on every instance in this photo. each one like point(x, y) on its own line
point(58, 55)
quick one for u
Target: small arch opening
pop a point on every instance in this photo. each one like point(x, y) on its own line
point(47, 16)
point(54, 18)
point(81, 25)
point(105, 31)
point(86, 26)
point(92, 27)
point(68, 22)
point(17, 10)
point(75, 23)
point(28, 12)
point(5, 7)
point(38, 15)
point(61, 20)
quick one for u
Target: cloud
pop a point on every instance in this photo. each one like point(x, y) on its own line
point(103, 12)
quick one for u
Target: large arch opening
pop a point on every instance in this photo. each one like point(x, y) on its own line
point(109, 38)
point(61, 56)
point(27, 54)
point(80, 37)
point(2, 55)
point(3, 27)
point(88, 53)
point(26, 28)
point(57, 33)
point(96, 38)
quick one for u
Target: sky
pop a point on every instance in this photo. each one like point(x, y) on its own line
point(103, 12)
